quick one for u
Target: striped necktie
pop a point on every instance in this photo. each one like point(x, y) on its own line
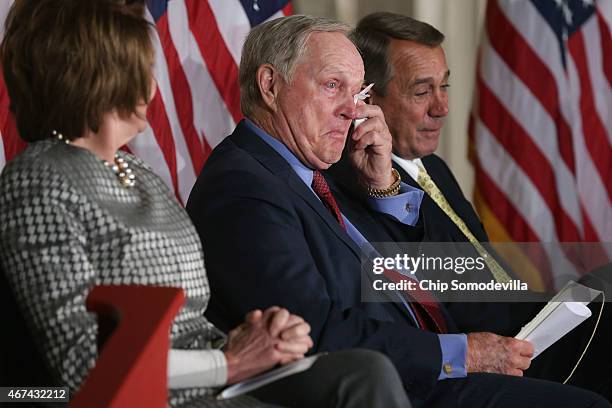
point(428, 185)
point(425, 307)
point(321, 189)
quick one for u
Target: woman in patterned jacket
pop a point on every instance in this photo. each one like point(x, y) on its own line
point(75, 212)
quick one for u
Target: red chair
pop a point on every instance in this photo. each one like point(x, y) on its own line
point(133, 339)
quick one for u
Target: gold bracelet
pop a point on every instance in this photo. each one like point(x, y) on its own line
point(390, 191)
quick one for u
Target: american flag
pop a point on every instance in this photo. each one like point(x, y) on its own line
point(541, 126)
point(198, 45)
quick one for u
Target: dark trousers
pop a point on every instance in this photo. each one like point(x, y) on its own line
point(349, 378)
point(485, 390)
point(364, 379)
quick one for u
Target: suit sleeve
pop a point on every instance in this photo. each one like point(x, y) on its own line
point(257, 256)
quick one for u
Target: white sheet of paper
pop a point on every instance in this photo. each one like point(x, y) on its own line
point(566, 310)
point(268, 377)
point(564, 318)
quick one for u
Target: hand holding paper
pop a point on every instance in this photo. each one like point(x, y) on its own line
point(561, 315)
point(490, 353)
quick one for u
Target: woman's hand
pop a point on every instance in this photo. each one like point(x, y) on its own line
point(264, 340)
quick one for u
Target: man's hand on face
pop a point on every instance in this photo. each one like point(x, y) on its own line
point(370, 147)
point(490, 353)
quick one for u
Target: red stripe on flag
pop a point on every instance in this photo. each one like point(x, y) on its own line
point(288, 9)
point(182, 95)
point(514, 222)
point(527, 155)
point(127, 149)
point(4, 102)
point(590, 235)
point(11, 141)
point(207, 149)
point(595, 135)
point(528, 66)
point(217, 57)
point(606, 46)
point(156, 114)
point(505, 212)
point(13, 144)
point(592, 254)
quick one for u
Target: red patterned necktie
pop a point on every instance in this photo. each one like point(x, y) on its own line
point(423, 303)
point(321, 188)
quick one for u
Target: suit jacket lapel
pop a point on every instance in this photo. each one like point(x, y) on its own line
point(276, 164)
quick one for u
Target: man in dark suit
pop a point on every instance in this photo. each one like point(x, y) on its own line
point(405, 60)
point(276, 231)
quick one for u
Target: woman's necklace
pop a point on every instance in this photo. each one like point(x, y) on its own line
point(120, 167)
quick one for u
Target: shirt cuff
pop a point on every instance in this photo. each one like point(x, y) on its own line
point(196, 368)
point(454, 354)
point(404, 207)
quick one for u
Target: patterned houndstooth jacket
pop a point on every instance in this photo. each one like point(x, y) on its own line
point(67, 224)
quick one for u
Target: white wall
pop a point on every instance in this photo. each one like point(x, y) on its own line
point(461, 22)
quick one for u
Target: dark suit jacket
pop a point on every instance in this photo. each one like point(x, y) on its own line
point(269, 241)
point(501, 318)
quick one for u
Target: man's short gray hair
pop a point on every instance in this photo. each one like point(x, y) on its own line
point(280, 43)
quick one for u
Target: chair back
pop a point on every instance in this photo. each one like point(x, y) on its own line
point(134, 338)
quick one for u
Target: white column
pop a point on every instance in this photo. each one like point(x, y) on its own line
point(461, 23)
point(347, 11)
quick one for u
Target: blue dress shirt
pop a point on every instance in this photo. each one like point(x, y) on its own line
point(405, 208)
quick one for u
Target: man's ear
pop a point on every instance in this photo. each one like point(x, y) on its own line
point(268, 81)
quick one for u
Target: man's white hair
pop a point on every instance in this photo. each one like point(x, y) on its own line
point(280, 43)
